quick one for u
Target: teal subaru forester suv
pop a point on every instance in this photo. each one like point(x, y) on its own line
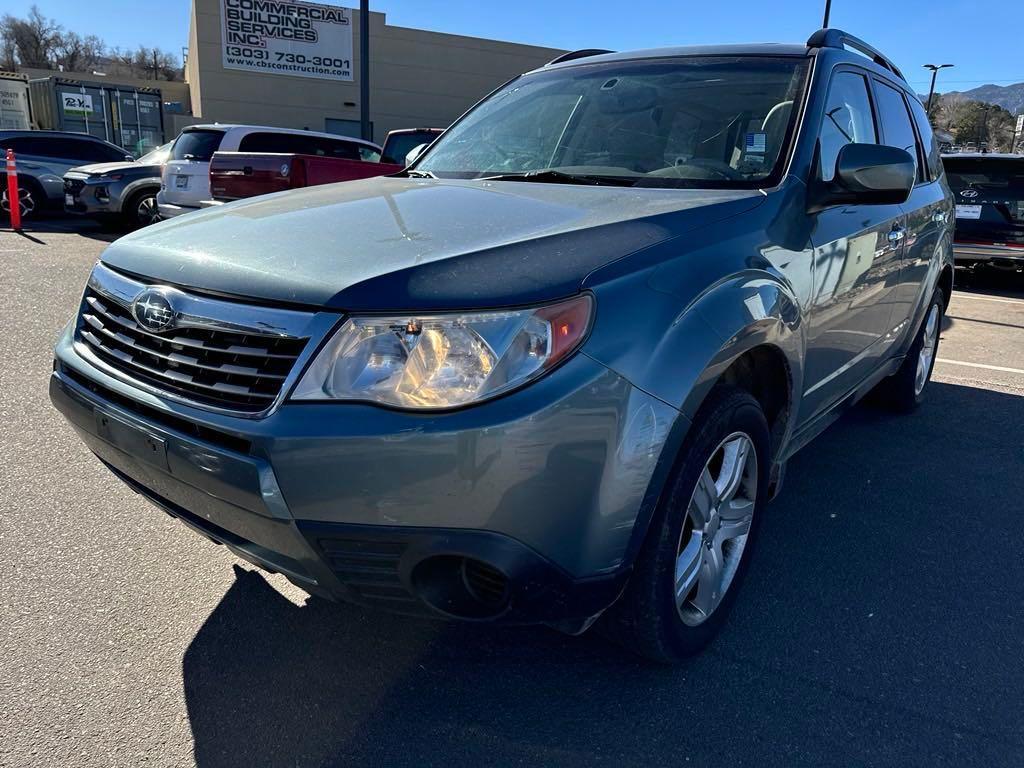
point(552, 371)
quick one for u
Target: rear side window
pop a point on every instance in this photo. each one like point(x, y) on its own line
point(18, 145)
point(930, 146)
point(897, 129)
point(847, 119)
point(369, 155)
point(196, 145)
point(297, 143)
point(95, 152)
point(66, 148)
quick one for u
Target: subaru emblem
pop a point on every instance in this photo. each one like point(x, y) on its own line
point(153, 311)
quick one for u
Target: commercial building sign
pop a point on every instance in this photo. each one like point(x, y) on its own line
point(287, 37)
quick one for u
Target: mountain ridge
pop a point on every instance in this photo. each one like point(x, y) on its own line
point(1009, 97)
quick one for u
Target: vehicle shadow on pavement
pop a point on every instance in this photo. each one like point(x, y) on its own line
point(880, 624)
point(990, 282)
point(37, 229)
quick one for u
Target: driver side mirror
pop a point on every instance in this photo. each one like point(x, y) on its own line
point(414, 154)
point(868, 174)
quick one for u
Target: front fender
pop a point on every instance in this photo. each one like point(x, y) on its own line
point(676, 351)
point(132, 187)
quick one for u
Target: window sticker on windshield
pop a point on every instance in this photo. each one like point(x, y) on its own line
point(757, 142)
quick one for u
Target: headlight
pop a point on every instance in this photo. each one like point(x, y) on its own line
point(442, 361)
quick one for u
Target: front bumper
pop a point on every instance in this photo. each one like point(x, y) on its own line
point(545, 493)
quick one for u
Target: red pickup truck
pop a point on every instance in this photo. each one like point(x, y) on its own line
point(234, 175)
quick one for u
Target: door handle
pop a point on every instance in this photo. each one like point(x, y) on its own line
point(897, 234)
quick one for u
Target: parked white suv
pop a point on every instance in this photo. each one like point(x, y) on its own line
point(185, 185)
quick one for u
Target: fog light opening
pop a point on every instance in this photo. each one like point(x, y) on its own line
point(461, 587)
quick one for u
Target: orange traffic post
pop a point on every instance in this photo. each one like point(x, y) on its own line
point(13, 198)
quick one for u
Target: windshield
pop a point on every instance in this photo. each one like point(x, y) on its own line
point(157, 156)
point(679, 122)
point(196, 145)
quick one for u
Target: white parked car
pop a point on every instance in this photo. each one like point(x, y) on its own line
point(185, 185)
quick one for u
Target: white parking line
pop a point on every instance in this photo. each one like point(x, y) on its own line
point(976, 297)
point(980, 365)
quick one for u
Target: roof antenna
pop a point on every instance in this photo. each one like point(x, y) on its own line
point(828, 13)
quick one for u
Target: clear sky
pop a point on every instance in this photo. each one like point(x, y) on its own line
point(985, 46)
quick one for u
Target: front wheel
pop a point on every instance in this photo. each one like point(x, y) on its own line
point(141, 210)
point(696, 553)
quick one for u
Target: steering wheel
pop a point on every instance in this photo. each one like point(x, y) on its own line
point(716, 167)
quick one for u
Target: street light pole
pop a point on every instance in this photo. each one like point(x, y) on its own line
point(931, 93)
point(364, 70)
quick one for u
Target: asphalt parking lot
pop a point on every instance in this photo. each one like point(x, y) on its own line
point(881, 623)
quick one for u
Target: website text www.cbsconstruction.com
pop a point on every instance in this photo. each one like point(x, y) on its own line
point(285, 67)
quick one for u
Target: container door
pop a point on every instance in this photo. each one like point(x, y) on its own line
point(14, 114)
point(139, 127)
point(84, 109)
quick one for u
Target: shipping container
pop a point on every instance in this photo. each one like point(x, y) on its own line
point(15, 111)
point(123, 114)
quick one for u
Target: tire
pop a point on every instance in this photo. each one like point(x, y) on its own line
point(904, 391)
point(648, 619)
point(140, 209)
point(30, 195)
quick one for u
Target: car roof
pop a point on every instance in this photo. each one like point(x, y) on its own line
point(56, 134)
point(741, 49)
point(836, 45)
point(225, 127)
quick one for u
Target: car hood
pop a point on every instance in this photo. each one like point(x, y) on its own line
point(98, 169)
point(418, 244)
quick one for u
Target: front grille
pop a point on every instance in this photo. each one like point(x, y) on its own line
point(236, 371)
point(73, 186)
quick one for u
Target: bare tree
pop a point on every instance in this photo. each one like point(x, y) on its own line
point(38, 42)
point(156, 64)
point(33, 38)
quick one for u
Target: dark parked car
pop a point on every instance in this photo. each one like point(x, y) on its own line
point(552, 372)
point(44, 157)
point(124, 192)
point(989, 193)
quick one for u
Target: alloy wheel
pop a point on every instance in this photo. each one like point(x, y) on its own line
point(717, 526)
point(928, 343)
point(146, 212)
point(26, 202)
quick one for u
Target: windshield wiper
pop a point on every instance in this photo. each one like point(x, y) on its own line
point(416, 174)
point(551, 176)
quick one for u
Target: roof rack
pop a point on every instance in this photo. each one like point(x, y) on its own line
point(580, 54)
point(837, 38)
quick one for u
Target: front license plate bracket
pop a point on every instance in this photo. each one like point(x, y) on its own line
point(136, 442)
